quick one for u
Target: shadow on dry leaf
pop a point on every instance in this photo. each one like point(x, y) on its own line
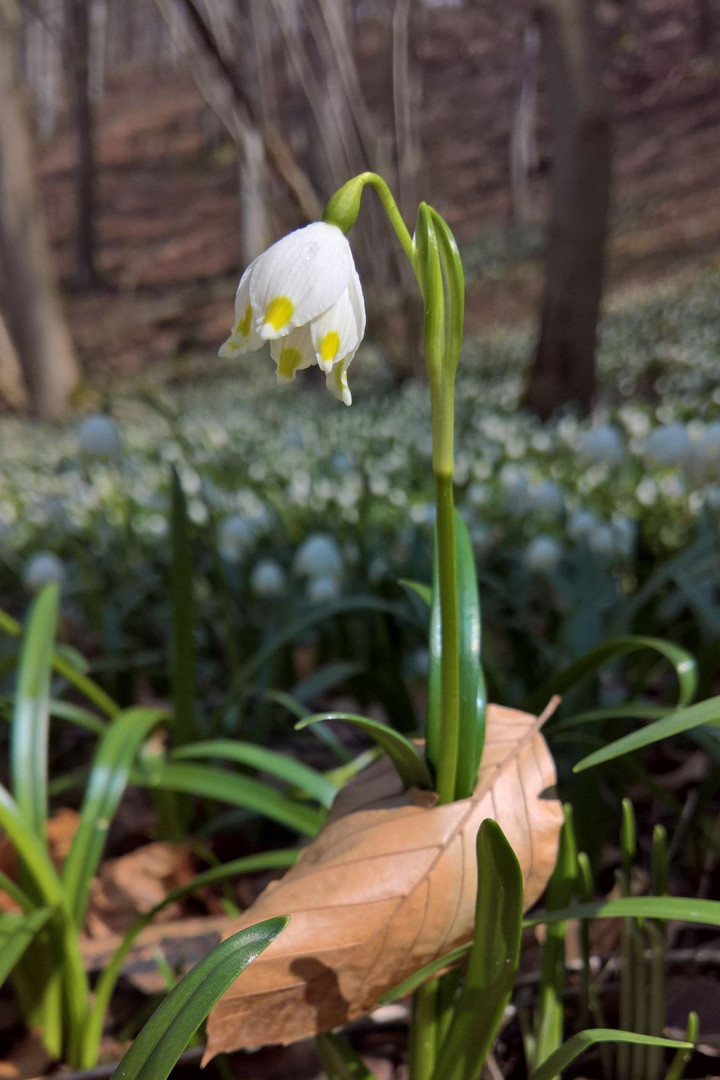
point(387, 886)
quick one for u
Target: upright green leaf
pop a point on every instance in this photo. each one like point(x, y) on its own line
point(31, 717)
point(472, 684)
point(168, 1031)
point(109, 775)
point(494, 958)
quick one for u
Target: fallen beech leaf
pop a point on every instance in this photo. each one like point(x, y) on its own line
point(130, 885)
point(387, 886)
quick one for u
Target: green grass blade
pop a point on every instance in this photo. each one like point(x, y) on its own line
point(494, 958)
point(295, 773)
point(339, 1060)
point(16, 933)
point(682, 1058)
point(183, 618)
point(268, 860)
point(585, 1040)
point(472, 685)
point(675, 723)
point(677, 908)
point(683, 664)
point(108, 779)
point(419, 588)
point(68, 671)
point(31, 716)
point(407, 986)
point(172, 1025)
point(411, 768)
point(208, 782)
point(320, 731)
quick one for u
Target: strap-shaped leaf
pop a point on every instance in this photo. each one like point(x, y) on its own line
point(675, 723)
point(172, 1025)
point(16, 933)
point(494, 958)
point(584, 1040)
point(472, 684)
point(108, 779)
point(682, 661)
point(208, 782)
point(410, 767)
point(31, 716)
point(292, 772)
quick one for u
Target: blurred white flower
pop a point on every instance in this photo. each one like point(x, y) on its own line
point(303, 295)
point(98, 436)
point(543, 553)
point(581, 524)
point(42, 568)
point(602, 444)
point(235, 537)
point(547, 498)
point(668, 444)
point(626, 531)
point(706, 452)
point(319, 557)
point(267, 578)
point(601, 539)
point(321, 589)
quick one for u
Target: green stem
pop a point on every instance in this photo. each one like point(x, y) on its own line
point(450, 667)
point(423, 1032)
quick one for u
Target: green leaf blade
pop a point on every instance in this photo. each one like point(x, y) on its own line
point(585, 1040)
point(163, 1039)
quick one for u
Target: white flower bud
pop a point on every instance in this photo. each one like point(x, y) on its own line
point(43, 568)
point(235, 537)
point(543, 554)
point(602, 445)
point(318, 556)
point(98, 436)
point(268, 579)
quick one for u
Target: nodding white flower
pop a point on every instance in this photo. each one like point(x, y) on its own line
point(668, 444)
point(43, 568)
point(543, 554)
point(303, 295)
point(268, 579)
point(235, 536)
point(602, 444)
point(321, 589)
point(319, 556)
point(98, 436)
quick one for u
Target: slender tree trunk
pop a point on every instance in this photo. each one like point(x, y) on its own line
point(12, 389)
point(407, 94)
point(523, 147)
point(563, 370)
point(35, 317)
point(86, 177)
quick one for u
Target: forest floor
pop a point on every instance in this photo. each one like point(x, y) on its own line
point(168, 214)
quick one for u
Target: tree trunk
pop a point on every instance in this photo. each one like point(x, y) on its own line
point(563, 371)
point(34, 314)
point(12, 389)
point(523, 147)
point(85, 182)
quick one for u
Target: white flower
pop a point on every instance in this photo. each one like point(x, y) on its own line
point(581, 524)
point(319, 556)
point(235, 537)
point(602, 444)
point(43, 568)
point(303, 295)
point(322, 589)
point(98, 436)
point(267, 578)
point(543, 553)
point(668, 444)
point(601, 540)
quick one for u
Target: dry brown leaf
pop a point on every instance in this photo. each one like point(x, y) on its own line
point(387, 886)
point(132, 884)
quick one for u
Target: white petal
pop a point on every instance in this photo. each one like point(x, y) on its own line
point(291, 353)
point(339, 330)
point(298, 278)
point(337, 383)
point(243, 337)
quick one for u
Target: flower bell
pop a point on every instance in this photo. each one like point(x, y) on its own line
point(303, 295)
